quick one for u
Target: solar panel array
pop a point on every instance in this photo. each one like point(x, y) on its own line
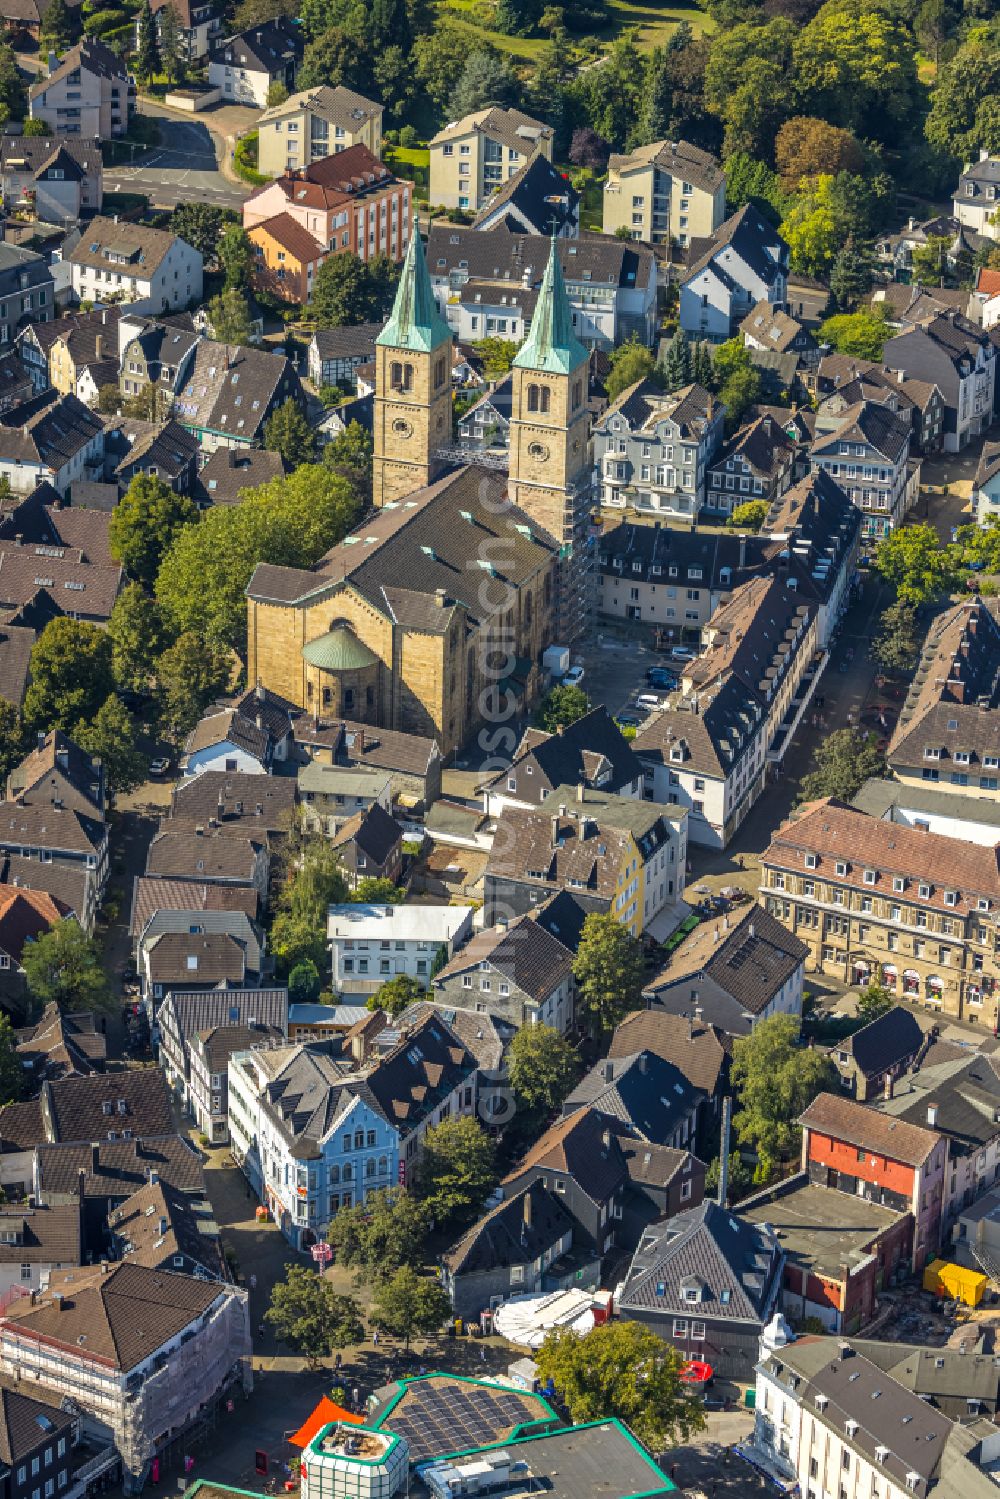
point(438, 1418)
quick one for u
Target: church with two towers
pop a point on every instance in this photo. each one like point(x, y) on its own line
point(432, 616)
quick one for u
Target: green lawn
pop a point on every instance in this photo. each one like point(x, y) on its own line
point(653, 20)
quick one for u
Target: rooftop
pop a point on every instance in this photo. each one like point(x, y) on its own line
point(820, 1229)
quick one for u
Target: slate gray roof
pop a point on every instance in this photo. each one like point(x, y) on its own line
point(989, 464)
point(27, 1422)
point(643, 1091)
point(540, 195)
point(869, 422)
point(954, 698)
point(419, 1073)
point(966, 1092)
point(353, 341)
point(77, 1109)
point(374, 831)
point(57, 756)
point(267, 48)
point(154, 894)
point(34, 154)
point(735, 1265)
point(747, 233)
point(592, 751)
point(510, 1234)
point(713, 740)
point(203, 856)
point(644, 404)
point(309, 1093)
point(520, 259)
point(50, 431)
point(91, 56)
point(165, 446)
point(228, 726)
point(195, 1011)
point(525, 952)
point(878, 798)
point(751, 960)
point(762, 445)
point(886, 1042)
point(233, 391)
point(694, 1048)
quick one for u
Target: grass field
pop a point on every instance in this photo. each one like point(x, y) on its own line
point(653, 20)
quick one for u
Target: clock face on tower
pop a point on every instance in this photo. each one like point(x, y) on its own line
point(401, 427)
point(538, 450)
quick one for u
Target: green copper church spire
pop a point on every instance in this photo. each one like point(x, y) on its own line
point(551, 345)
point(414, 322)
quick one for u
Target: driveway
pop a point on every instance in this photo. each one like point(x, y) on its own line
point(184, 168)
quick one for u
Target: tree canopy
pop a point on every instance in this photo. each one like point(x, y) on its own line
point(609, 970)
point(775, 1079)
point(65, 967)
point(407, 1304)
point(396, 995)
point(456, 1169)
point(311, 1317)
point(860, 334)
point(70, 675)
point(623, 1369)
point(561, 705)
point(543, 1067)
point(913, 560)
point(842, 762)
point(144, 523)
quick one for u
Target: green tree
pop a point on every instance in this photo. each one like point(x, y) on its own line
point(851, 273)
point(497, 355)
point(623, 1369)
point(34, 128)
point(352, 449)
point(304, 983)
point(842, 763)
point(677, 367)
point(381, 1235)
point(377, 888)
point(860, 334)
point(737, 380)
point(11, 1065)
point(70, 675)
point(609, 972)
point(517, 17)
point(312, 880)
point(311, 1317)
point(979, 545)
point(749, 516)
point(486, 78)
point(610, 97)
point(748, 179)
point(12, 739)
point(190, 674)
point(658, 97)
point(855, 66)
point(746, 82)
point(200, 225)
point(775, 1079)
point(336, 57)
point(896, 646)
point(810, 230)
point(913, 560)
point(287, 432)
point(543, 1067)
point(740, 1178)
point(144, 523)
point(170, 43)
point(57, 27)
point(291, 522)
point(65, 967)
point(874, 1001)
point(561, 706)
point(229, 317)
point(397, 995)
point(13, 96)
point(277, 94)
point(438, 60)
point(251, 13)
point(963, 117)
point(388, 25)
point(135, 630)
point(456, 1169)
point(410, 1304)
point(147, 53)
point(111, 735)
point(930, 261)
point(344, 293)
point(630, 362)
point(236, 256)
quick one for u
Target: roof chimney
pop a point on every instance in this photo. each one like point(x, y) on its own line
point(932, 1115)
point(606, 1139)
point(527, 1208)
point(608, 1068)
point(581, 791)
point(887, 1087)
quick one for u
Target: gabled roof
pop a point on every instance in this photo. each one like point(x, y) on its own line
point(122, 1313)
point(115, 1168)
point(734, 1265)
point(25, 915)
point(583, 1146)
point(516, 1232)
point(229, 471)
point(592, 752)
point(857, 1124)
point(228, 727)
point(419, 1073)
point(339, 106)
point(78, 1109)
point(511, 127)
point(872, 423)
point(183, 957)
point(287, 232)
point(233, 390)
point(28, 1423)
point(193, 1011)
point(258, 804)
point(267, 48)
point(152, 894)
point(158, 1222)
point(307, 1095)
point(61, 1045)
point(694, 1048)
point(886, 1042)
point(139, 249)
point(678, 158)
point(374, 831)
point(90, 56)
point(54, 760)
point(525, 952)
point(751, 959)
point(538, 197)
point(647, 1094)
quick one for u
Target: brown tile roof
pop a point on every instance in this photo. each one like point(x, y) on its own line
point(954, 701)
point(419, 1072)
point(253, 802)
point(529, 851)
point(122, 1313)
point(693, 1047)
point(63, 1045)
point(529, 955)
point(157, 1222)
point(81, 1109)
point(22, 1431)
point(835, 833)
point(85, 588)
point(290, 235)
point(57, 757)
point(217, 957)
point(388, 749)
point(16, 645)
point(44, 1236)
point(21, 1126)
point(113, 1168)
point(585, 1146)
point(150, 895)
point(91, 56)
point(844, 1119)
point(24, 914)
point(143, 247)
point(69, 882)
point(751, 959)
point(203, 856)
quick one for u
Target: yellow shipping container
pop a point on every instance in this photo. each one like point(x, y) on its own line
point(955, 1282)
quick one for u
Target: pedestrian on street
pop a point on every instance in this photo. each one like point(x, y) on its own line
point(482, 1355)
point(253, 1282)
point(375, 1338)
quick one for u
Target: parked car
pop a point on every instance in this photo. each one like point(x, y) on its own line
point(650, 702)
point(573, 677)
point(683, 653)
point(658, 676)
point(626, 719)
point(158, 767)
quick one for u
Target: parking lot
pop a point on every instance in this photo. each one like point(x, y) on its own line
point(615, 669)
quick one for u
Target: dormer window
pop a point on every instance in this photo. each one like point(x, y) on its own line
point(982, 904)
point(961, 757)
point(898, 883)
point(931, 754)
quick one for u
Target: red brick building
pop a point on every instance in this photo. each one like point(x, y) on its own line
point(863, 1153)
point(348, 201)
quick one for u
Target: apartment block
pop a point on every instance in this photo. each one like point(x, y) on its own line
point(88, 93)
point(477, 154)
point(313, 124)
point(652, 450)
point(666, 192)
